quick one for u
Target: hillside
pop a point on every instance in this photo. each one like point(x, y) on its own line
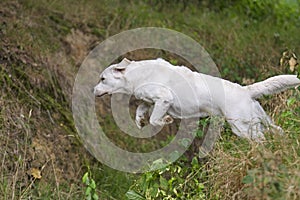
point(42, 46)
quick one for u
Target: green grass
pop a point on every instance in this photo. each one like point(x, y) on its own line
point(42, 45)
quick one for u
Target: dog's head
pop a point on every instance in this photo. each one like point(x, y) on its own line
point(112, 79)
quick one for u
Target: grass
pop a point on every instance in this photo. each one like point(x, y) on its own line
point(41, 48)
point(248, 170)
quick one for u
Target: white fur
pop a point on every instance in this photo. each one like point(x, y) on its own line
point(176, 91)
point(273, 85)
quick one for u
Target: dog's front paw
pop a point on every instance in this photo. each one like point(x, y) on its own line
point(138, 124)
point(161, 122)
point(168, 119)
point(139, 121)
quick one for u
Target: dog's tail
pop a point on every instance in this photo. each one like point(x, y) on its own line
point(272, 85)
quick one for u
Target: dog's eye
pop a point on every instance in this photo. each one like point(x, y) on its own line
point(102, 79)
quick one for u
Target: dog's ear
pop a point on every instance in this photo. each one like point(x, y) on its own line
point(119, 69)
point(123, 64)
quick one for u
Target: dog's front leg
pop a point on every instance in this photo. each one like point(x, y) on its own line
point(141, 111)
point(158, 117)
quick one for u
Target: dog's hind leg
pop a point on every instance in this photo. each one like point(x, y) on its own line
point(247, 129)
point(248, 120)
point(251, 122)
point(266, 123)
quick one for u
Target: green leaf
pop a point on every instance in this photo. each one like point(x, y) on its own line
point(88, 191)
point(170, 182)
point(93, 184)
point(149, 177)
point(88, 197)
point(163, 183)
point(85, 178)
point(143, 182)
point(200, 186)
point(95, 196)
point(132, 195)
point(154, 190)
point(199, 133)
point(195, 162)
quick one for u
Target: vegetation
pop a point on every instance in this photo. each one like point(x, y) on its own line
point(43, 43)
point(90, 183)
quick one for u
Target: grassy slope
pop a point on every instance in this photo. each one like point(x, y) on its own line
point(42, 45)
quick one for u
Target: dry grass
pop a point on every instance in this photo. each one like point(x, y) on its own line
point(263, 171)
point(30, 139)
point(270, 170)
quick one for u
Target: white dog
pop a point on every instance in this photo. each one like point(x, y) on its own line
point(176, 91)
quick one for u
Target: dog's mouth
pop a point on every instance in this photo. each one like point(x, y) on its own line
point(100, 95)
